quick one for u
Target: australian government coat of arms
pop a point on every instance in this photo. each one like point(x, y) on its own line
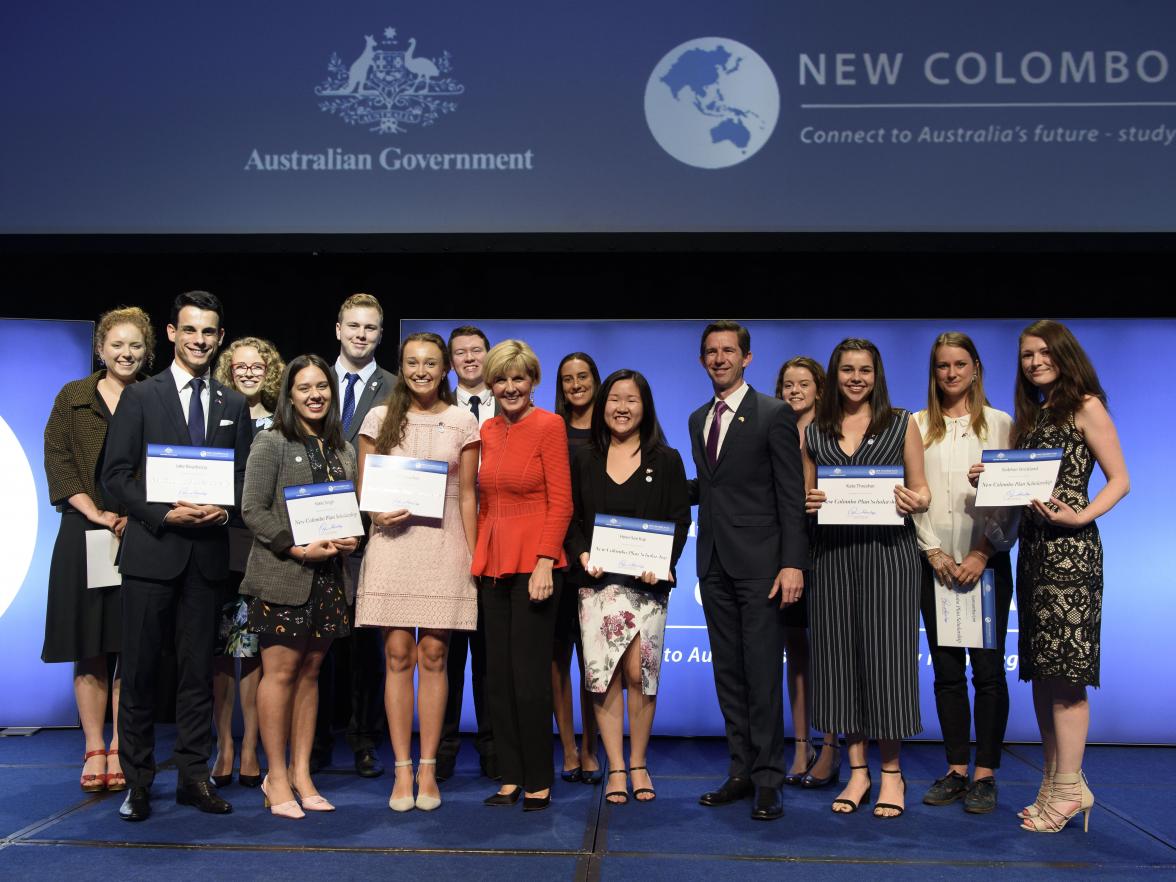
point(389, 88)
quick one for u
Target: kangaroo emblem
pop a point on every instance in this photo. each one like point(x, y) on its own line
point(357, 76)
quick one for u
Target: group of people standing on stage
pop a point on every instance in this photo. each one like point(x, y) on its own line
point(506, 576)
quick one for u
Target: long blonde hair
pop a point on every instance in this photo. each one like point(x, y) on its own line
point(976, 398)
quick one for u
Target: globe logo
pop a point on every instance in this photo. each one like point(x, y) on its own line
point(712, 102)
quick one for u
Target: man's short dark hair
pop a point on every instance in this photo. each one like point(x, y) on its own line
point(743, 334)
point(201, 300)
point(468, 331)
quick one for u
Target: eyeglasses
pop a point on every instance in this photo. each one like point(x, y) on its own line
point(245, 370)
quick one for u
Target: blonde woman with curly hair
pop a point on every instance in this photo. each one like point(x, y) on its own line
point(253, 367)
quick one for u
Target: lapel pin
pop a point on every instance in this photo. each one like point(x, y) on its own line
point(649, 471)
point(374, 384)
point(219, 393)
point(298, 459)
point(649, 479)
point(740, 419)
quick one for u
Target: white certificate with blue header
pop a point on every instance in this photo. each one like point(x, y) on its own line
point(395, 483)
point(859, 495)
point(1016, 477)
point(201, 475)
point(632, 546)
point(323, 511)
point(966, 617)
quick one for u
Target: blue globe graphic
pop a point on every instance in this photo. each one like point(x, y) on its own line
point(712, 102)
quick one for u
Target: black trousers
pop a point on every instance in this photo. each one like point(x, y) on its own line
point(463, 645)
point(354, 671)
point(747, 657)
point(520, 639)
point(151, 612)
point(988, 677)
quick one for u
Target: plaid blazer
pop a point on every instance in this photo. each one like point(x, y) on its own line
point(74, 438)
point(274, 464)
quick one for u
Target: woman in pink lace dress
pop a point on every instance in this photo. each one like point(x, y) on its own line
point(415, 581)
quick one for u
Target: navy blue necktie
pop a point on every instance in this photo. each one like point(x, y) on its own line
point(475, 404)
point(196, 414)
point(349, 401)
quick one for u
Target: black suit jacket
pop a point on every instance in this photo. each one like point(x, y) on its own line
point(665, 498)
point(150, 413)
point(373, 393)
point(751, 504)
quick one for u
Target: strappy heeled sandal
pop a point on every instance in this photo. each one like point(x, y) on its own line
point(897, 809)
point(854, 806)
point(638, 791)
point(624, 794)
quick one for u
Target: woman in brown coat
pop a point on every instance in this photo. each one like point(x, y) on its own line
point(83, 625)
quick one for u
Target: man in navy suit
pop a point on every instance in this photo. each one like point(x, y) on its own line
point(174, 557)
point(361, 384)
point(752, 551)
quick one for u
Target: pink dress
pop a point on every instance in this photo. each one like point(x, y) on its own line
point(417, 575)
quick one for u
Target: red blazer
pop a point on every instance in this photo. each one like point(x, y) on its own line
point(524, 494)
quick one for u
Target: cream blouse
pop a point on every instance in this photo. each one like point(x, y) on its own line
point(952, 522)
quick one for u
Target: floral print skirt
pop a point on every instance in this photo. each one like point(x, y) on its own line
point(610, 618)
point(324, 614)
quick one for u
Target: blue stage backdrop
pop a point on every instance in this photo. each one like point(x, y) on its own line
point(1137, 701)
point(39, 357)
point(663, 115)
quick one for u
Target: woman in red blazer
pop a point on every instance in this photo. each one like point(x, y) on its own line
point(524, 506)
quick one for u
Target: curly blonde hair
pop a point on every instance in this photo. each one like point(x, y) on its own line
point(126, 315)
point(271, 383)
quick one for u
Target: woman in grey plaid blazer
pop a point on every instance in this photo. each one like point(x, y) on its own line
point(298, 603)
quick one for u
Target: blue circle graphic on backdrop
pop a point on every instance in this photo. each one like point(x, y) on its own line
point(18, 516)
point(712, 102)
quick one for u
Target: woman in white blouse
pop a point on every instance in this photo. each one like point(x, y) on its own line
point(960, 542)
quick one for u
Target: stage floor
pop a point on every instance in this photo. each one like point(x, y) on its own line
point(49, 829)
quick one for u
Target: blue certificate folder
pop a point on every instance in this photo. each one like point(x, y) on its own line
point(305, 491)
point(175, 451)
point(988, 607)
point(644, 526)
point(867, 471)
point(1026, 455)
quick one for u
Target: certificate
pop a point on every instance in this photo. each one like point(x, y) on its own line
point(392, 483)
point(201, 475)
point(101, 551)
point(323, 511)
point(632, 546)
point(967, 616)
point(1015, 477)
point(859, 495)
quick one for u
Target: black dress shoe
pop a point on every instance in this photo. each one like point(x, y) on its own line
point(768, 805)
point(247, 780)
point(202, 795)
point(733, 790)
point(536, 803)
point(367, 764)
point(137, 805)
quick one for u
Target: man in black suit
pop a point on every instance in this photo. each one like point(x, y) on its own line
point(468, 346)
point(752, 551)
point(361, 384)
point(174, 557)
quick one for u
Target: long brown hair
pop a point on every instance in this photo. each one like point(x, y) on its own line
point(829, 411)
point(396, 420)
point(976, 397)
point(1076, 379)
point(561, 401)
point(286, 420)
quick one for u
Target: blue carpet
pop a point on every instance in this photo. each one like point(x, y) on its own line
point(676, 824)
point(363, 820)
point(153, 864)
point(32, 794)
point(676, 869)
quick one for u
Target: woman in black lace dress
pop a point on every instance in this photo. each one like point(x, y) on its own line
point(1060, 403)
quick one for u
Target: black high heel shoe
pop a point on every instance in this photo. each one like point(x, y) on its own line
point(865, 800)
point(811, 783)
point(794, 779)
point(897, 809)
point(504, 798)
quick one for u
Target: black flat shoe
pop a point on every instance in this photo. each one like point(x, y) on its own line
point(504, 798)
point(221, 780)
point(768, 804)
point(536, 803)
point(591, 778)
point(248, 780)
point(572, 776)
point(367, 764)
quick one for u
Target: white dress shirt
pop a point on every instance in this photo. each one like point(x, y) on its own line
point(485, 409)
point(365, 374)
point(952, 522)
point(182, 379)
point(732, 401)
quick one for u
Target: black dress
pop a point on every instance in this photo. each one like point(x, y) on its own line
point(1060, 571)
point(567, 617)
point(325, 613)
point(80, 622)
